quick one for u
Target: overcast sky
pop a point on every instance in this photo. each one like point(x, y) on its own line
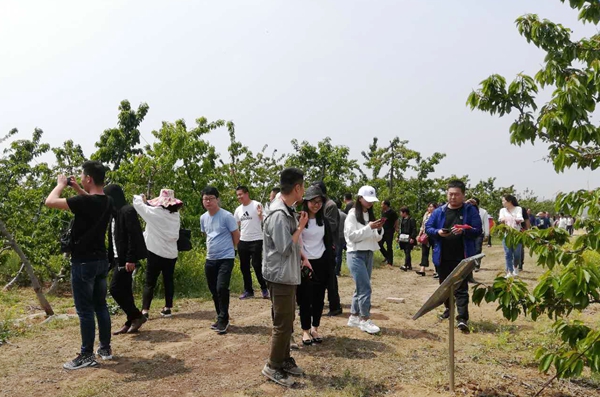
point(280, 70)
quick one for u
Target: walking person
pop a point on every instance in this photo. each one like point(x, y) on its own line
point(222, 236)
point(126, 247)
point(249, 216)
point(453, 229)
point(424, 240)
point(485, 230)
point(570, 223)
point(89, 265)
point(282, 262)
point(407, 237)
point(512, 216)
point(317, 247)
point(340, 245)
point(390, 227)
point(362, 233)
point(331, 213)
point(161, 215)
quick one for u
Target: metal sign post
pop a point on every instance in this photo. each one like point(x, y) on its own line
point(446, 292)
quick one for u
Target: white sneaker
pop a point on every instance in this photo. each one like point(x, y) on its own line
point(515, 273)
point(508, 275)
point(368, 327)
point(353, 321)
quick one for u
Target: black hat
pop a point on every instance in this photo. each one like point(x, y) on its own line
point(313, 192)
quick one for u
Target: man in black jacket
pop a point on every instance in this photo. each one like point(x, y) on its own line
point(126, 247)
point(407, 237)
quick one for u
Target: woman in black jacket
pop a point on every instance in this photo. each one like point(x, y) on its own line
point(317, 247)
point(407, 237)
point(126, 247)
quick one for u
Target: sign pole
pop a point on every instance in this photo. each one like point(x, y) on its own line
point(451, 339)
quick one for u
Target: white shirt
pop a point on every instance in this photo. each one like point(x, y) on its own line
point(313, 243)
point(250, 223)
point(570, 222)
point(510, 218)
point(485, 223)
point(162, 228)
point(562, 223)
point(112, 228)
point(360, 237)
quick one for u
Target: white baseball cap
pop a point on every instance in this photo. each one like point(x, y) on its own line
point(368, 193)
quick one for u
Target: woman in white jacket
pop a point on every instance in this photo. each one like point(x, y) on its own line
point(511, 215)
point(362, 233)
point(162, 232)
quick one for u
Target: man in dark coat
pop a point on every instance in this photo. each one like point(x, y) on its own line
point(126, 247)
point(407, 236)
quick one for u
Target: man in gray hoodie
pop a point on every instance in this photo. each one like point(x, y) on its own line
point(282, 262)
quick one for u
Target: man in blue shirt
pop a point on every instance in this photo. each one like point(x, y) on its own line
point(222, 236)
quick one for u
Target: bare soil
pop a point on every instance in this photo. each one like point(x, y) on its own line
point(181, 356)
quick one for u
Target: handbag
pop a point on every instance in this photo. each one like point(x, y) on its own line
point(184, 242)
point(423, 239)
point(403, 238)
point(66, 239)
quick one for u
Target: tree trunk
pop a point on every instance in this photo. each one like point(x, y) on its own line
point(59, 277)
point(14, 280)
point(37, 287)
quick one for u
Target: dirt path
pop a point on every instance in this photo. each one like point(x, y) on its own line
point(181, 356)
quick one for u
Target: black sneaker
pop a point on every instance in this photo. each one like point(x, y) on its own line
point(221, 327)
point(336, 312)
point(147, 315)
point(292, 368)
point(166, 313)
point(81, 361)
point(277, 376)
point(105, 353)
point(462, 325)
point(214, 325)
point(435, 275)
point(445, 315)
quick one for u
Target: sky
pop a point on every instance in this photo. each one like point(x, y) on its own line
point(351, 70)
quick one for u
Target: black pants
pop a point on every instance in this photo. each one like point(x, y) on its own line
point(251, 252)
point(122, 292)
point(311, 294)
point(425, 248)
point(407, 248)
point(490, 240)
point(155, 266)
point(218, 276)
point(387, 240)
point(461, 293)
point(479, 248)
point(331, 285)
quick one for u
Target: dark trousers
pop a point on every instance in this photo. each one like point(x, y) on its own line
point(283, 300)
point(251, 253)
point(122, 292)
point(331, 284)
point(339, 254)
point(479, 248)
point(311, 294)
point(425, 248)
point(88, 281)
point(490, 240)
point(218, 276)
point(461, 293)
point(155, 266)
point(387, 240)
point(407, 248)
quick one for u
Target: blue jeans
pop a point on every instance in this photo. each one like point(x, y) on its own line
point(512, 255)
point(88, 281)
point(360, 264)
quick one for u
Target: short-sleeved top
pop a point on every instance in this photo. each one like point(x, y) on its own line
point(90, 212)
point(453, 248)
point(250, 223)
point(313, 243)
point(218, 229)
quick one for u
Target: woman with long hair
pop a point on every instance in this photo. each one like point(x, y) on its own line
point(362, 233)
point(512, 216)
point(317, 246)
point(425, 246)
point(162, 232)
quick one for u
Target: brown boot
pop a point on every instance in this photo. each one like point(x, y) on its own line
point(123, 330)
point(136, 324)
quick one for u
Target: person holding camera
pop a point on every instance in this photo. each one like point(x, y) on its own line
point(89, 264)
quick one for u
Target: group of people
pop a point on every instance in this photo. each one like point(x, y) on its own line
point(296, 256)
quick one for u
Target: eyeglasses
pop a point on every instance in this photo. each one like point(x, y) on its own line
point(316, 202)
point(208, 199)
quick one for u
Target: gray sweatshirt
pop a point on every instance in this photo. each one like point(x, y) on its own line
point(281, 256)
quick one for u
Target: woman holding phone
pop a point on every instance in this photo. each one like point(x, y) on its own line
point(362, 233)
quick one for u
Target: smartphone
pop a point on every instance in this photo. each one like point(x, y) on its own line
point(69, 182)
point(446, 230)
point(383, 219)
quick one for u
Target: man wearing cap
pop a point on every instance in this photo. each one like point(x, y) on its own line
point(249, 216)
point(282, 261)
point(222, 236)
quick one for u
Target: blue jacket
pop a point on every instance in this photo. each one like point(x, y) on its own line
point(470, 216)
